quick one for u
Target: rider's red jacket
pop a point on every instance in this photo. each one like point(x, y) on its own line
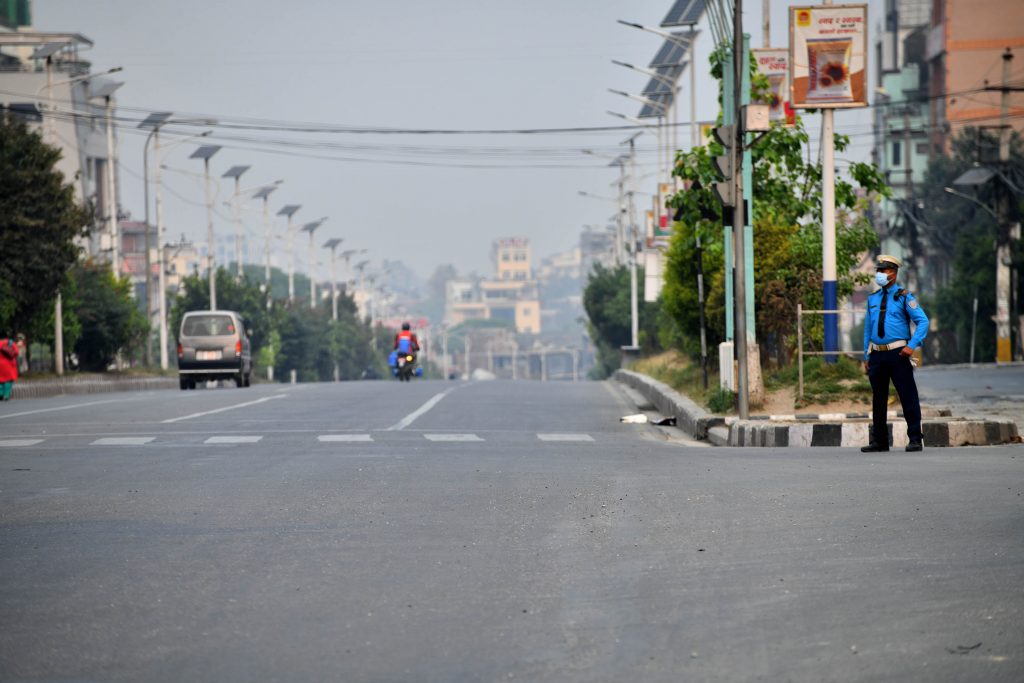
point(407, 334)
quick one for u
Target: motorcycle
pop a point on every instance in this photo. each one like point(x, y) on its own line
point(403, 365)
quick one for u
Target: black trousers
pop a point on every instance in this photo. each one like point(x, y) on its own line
point(884, 366)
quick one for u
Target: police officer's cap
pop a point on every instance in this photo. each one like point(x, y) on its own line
point(887, 261)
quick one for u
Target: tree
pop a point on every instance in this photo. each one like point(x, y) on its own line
point(606, 300)
point(787, 215)
point(39, 222)
point(109, 318)
point(964, 234)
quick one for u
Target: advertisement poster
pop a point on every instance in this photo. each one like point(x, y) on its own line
point(774, 64)
point(828, 56)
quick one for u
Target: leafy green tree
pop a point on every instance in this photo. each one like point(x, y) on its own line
point(39, 222)
point(606, 300)
point(787, 216)
point(109, 317)
point(966, 234)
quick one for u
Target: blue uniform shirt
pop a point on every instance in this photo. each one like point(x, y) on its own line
point(898, 315)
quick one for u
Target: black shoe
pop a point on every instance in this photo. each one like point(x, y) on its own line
point(874, 448)
point(915, 446)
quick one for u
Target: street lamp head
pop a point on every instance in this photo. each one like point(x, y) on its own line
point(333, 243)
point(289, 210)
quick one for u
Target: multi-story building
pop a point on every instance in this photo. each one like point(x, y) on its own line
point(133, 259)
point(511, 296)
point(44, 81)
point(902, 145)
point(596, 246)
point(964, 47)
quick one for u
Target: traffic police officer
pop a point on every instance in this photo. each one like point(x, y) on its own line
point(888, 346)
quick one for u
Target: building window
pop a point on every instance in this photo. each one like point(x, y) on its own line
point(897, 153)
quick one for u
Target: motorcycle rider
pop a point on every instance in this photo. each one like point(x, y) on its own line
point(411, 345)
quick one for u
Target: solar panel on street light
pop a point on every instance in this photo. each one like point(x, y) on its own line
point(48, 50)
point(157, 118)
point(105, 89)
point(674, 50)
point(289, 210)
point(235, 172)
point(333, 242)
point(264, 192)
point(684, 13)
point(204, 152)
point(660, 85)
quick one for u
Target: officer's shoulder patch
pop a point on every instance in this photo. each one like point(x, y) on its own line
point(912, 303)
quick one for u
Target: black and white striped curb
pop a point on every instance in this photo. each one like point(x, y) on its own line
point(937, 433)
point(91, 384)
point(690, 417)
point(827, 417)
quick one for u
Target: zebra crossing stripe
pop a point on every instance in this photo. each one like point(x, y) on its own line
point(452, 437)
point(123, 441)
point(18, 443)
point(233, 439)
point(565, 437)
point(344, 438)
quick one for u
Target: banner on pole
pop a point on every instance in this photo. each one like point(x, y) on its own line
point(828, 56)
point(654, 262)
point(774, 64)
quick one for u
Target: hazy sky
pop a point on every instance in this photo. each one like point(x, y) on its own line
point(443, 64)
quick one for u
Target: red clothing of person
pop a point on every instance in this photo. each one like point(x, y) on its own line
point(407, 334)
point(8, 366)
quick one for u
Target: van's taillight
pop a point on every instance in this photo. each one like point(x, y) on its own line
point(181, 351)
point(238, 349)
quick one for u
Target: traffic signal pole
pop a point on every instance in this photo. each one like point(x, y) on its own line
point(739, 213)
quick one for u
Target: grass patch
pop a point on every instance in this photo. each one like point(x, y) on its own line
point(683, 375)
point(824, 382)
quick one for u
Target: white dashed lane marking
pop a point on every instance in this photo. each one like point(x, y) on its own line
point(565, 437)
point(18, 443)
point(346, 438)
point(452, 437)
point(233, 439)
point(123, 441)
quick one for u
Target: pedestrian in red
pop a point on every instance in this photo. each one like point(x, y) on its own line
point(8, 367)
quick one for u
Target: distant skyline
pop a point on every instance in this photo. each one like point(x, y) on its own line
point(422, 199)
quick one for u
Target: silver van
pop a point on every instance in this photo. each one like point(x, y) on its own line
point(213, 345)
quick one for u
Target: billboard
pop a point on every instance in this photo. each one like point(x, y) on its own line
point(828, 56)
point(774, 64)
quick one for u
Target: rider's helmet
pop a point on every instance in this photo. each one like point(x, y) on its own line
point(405, 326)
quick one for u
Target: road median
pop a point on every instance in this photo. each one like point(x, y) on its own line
point(826, 430)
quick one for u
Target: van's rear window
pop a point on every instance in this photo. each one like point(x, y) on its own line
point(208, 326)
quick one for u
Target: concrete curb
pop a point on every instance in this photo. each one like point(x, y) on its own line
point(93, 384)
point(690, 417)
point(937, 433)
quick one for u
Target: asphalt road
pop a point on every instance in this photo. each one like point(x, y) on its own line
point(983, 389)
point(482, 532)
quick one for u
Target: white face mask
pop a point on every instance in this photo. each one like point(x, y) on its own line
point(881, 279)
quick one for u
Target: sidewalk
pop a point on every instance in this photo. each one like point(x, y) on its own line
point(87, 384)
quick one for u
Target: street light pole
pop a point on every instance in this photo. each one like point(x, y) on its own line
point(236, 213)
point(332, 244)
point(311, 228)
point(289, 211)
point(204, 153)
